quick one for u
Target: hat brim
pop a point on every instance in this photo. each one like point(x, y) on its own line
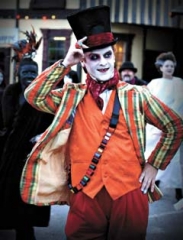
point(132, 69)
point(100, 46)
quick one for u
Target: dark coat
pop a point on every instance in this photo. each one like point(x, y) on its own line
point(139, 81)
point(21, 123)
point(2, 87)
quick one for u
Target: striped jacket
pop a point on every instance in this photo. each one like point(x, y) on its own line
point(138, 105)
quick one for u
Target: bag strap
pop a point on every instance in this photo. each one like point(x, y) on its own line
point(95, 160)
point(115, 113)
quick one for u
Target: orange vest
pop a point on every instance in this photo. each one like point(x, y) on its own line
point(118, 169)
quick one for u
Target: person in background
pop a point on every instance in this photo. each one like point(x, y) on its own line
point(101, 127)
point(169, 89)
point(128, 72)
point(22, 123)
point(71, 77)
point(2, 79)
point(2, 87)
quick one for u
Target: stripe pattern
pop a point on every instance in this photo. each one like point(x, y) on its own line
point(140, 12)
point(136, 103)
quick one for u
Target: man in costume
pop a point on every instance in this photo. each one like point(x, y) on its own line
point(21, 123)
point(97, 136)
point(127, 72)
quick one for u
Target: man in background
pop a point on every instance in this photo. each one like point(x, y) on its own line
point(128, 72)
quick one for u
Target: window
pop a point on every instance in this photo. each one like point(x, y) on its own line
point(120, 49)
point(55, 45)
point(123, 48)
point(56, 49)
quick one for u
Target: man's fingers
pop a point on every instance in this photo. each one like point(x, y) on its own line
point(147, 184)
point(141, 177)
point(79, 44)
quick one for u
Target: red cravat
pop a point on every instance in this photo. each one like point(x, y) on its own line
point(96, 88)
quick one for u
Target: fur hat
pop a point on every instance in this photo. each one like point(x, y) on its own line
point(95, 24)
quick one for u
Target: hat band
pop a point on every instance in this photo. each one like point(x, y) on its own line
point(99, 39)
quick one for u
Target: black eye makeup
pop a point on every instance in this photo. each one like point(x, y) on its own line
point(108, 54)
point(95, 56)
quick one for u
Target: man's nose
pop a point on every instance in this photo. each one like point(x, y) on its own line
point(30, 75)
point(103, 61)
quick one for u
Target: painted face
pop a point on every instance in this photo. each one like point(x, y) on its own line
point(168, 69)
point(27, 73)
point(1, 78)
point(100, 63)
point(127, 75)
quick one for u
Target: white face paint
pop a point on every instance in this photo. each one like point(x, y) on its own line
point(168, 69)
point(100, 63)
point(1, 78)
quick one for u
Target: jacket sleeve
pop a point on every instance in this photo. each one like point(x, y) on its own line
point(41, 93)
point(171, 125)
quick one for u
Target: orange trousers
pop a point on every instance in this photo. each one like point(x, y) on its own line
point(102, 218)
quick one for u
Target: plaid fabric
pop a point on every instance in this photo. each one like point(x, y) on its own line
point(138, 106)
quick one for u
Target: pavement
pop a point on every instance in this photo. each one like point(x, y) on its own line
point(165, 220)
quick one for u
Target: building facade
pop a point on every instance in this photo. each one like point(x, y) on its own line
point(144, 29)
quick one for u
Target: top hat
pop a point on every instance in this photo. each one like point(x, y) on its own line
point(95, 24)
point(128, 65)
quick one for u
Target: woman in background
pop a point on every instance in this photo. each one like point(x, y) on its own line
point(168, 89)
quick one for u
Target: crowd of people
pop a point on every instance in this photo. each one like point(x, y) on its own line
point(132, 145)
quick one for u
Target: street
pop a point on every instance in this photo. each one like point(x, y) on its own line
point(165, 222)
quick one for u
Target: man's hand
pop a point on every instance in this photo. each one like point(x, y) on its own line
point(75, 54)
point(147, 178)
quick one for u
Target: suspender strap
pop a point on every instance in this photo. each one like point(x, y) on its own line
point(115, 113)
point(95, 160)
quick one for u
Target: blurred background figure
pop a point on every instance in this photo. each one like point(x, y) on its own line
point(71, 77)
point(21, 123)
point(128, 72)
point(2, 80)
point(169, 89)
point(2, 87)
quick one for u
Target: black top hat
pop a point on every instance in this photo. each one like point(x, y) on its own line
point(128, 65)
point(95, 24)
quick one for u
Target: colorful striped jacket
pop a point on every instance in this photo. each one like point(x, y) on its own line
point(40, 186)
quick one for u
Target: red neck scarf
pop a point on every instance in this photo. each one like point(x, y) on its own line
point(96, 88)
